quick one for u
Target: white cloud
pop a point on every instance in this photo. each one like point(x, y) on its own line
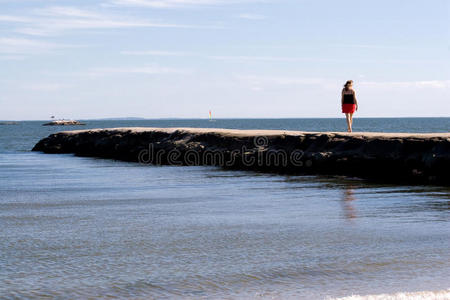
point(12, 57)
point(243, 58)
point(317, 59)
point(368, 46)
point(45, 87)
point(15, 19)
point(435, 84)
point(58, 19)
point(255, 79)
point(178, 3)
point(67, 11)
point(258, 58)
point(148, 70)
point(251, 16)
point(22, 46)
point(259, 83)
point(155, 53)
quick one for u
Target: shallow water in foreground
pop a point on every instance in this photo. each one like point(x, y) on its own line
point(76, 227)
point(87, 227)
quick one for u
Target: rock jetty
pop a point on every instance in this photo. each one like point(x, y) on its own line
point(63, 123)
point(384, 157)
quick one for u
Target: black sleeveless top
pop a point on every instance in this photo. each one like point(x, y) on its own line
point(349, 98)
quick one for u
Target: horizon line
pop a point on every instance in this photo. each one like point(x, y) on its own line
point(207, 119)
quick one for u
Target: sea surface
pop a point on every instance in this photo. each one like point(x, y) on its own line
point(76, 228)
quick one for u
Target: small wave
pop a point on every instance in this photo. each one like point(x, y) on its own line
point(428, 295)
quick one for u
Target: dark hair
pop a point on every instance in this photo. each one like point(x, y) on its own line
point(347, 84)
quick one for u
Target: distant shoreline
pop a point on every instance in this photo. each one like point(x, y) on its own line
point(206, 119)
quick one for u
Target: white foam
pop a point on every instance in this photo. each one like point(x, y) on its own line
point(424, 295)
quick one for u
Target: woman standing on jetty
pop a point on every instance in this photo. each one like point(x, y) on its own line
point(349, 103)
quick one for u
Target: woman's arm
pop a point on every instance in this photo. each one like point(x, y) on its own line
point(356, 100)
point(342, 97)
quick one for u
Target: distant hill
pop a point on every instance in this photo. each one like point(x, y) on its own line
point(138, 119)
point(117, 119)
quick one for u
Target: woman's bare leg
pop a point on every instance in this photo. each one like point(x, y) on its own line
point(349, 125)
point(351, 122)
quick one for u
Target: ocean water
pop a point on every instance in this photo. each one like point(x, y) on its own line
point(74, 228)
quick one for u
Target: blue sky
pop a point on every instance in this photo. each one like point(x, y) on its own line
point(239, 58)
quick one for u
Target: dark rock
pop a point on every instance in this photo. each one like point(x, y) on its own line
point(63, 123)
point(400, 158)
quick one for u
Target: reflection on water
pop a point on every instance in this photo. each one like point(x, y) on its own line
point(348, 197)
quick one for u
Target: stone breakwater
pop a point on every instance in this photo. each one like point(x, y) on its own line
point(63, 123)
point(384, 157)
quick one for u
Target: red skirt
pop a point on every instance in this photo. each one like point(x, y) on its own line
point(348, 108)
